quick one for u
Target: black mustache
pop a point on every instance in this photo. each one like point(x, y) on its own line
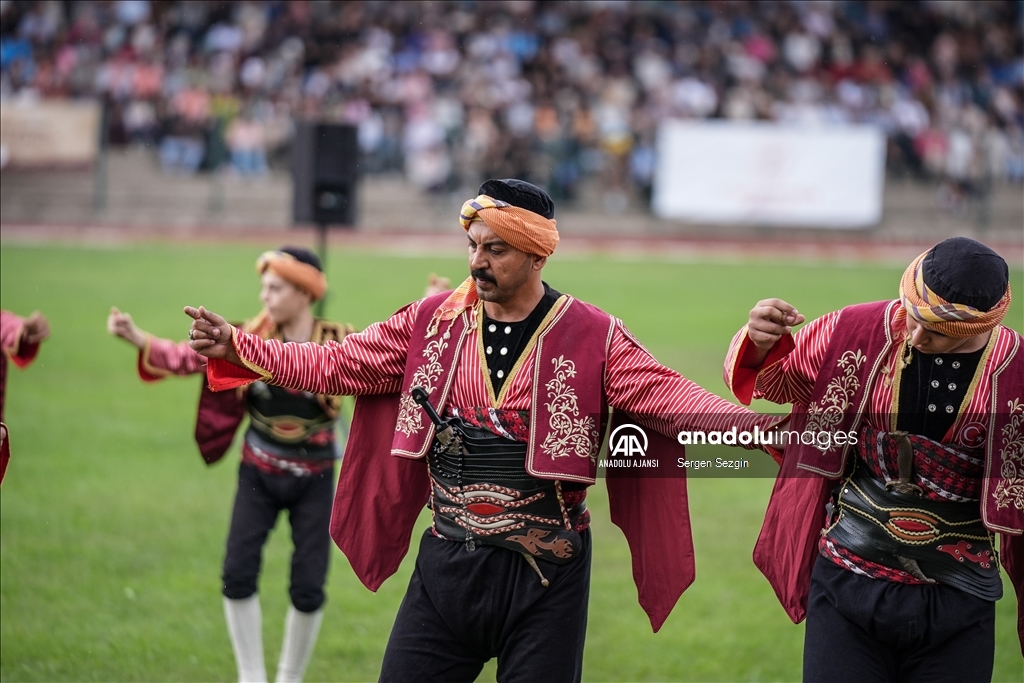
point(483, 275)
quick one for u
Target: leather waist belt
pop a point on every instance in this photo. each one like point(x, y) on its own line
point(299, 451)
point(936, 542)
point(482, 493)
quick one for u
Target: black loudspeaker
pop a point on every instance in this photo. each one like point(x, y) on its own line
point(325, 174)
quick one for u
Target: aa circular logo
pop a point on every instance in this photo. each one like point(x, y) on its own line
point(628, 440)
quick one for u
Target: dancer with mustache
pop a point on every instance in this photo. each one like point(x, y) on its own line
point(523, 376)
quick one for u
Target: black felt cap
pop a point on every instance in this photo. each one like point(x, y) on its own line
point(303, 255)
point(520, 193)
point(965, 271)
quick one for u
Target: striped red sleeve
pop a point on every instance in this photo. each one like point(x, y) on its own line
point(790, 379)
point(11, 342)
point(162, 357)
point(367, 362)
point(662, 399)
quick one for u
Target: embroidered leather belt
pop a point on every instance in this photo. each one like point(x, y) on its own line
point(936, 542)
point(481, 493)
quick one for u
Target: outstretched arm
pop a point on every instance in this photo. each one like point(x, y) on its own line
point(662, 399)
point(158, 358)
point(367, 362)
point(121, 325)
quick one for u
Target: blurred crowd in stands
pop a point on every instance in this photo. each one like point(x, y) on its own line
point(555, 92)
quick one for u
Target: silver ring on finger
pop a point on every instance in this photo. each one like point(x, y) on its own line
point(190, 338)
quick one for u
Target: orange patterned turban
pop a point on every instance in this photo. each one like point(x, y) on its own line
point(519, 213)
point(298, 266)
point(960, 288)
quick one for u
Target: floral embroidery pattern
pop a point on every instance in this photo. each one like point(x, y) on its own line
point(827, 413)
point(410, 415)
point(570, 434)
point(1011, 489)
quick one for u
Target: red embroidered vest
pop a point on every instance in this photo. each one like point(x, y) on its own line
point(787, 545)
point(379, 498)
point(568, 406)
point(860, 346)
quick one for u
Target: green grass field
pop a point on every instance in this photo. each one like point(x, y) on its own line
point(113, 528)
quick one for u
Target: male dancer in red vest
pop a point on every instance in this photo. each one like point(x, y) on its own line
point(287, 459)
point(885, 541)
point(524, 377)
point(19, 340)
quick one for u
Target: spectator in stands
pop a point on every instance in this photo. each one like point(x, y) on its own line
point(246, 142)
point(556, 92)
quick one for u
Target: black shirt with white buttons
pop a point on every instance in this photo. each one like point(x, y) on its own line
point(932, 388)
point(504, 342)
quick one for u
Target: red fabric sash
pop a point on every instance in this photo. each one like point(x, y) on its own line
point(654, 515)
point(788, 543)
point(217, 420)
point(379, 496)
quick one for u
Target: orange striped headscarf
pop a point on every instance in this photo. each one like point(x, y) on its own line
point(519, 228)
point(958, 321)
point(293, 270)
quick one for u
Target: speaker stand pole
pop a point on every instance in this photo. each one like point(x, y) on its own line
point(321, 229)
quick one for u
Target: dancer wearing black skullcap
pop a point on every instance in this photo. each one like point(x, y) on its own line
point(521, 378)
point(881, 529)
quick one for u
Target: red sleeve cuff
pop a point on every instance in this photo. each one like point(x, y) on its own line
point(223, 375)
point(25, 354)
point(147, 371)
point(742, 369)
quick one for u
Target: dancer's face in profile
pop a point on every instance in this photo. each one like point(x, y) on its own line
point(284, 301)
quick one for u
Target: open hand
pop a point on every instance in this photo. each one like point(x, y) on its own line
point(769, 320)
point(210, 335)
point(436, 285)
point(35, 329)
point(121, 325)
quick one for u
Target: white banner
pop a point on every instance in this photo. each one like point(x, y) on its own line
point(762, 173)
point(49, 133)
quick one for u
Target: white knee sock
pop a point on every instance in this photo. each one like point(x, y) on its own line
point(300, 632)
point(245, 624)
